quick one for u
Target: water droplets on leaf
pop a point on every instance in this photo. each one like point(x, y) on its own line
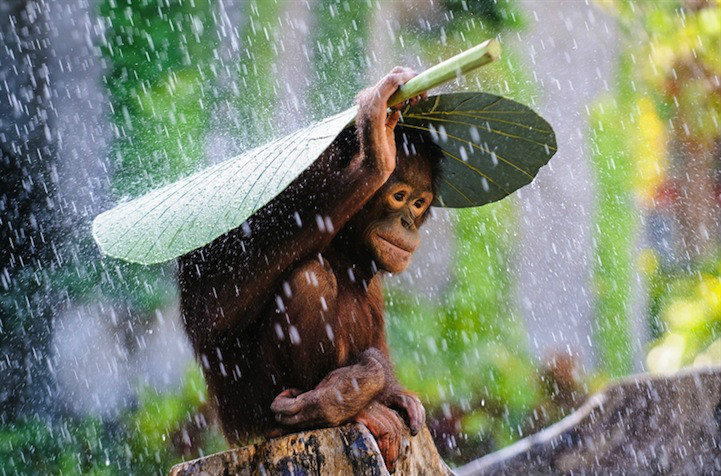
point(475, 136)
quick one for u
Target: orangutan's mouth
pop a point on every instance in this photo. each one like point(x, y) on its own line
point(404, 249)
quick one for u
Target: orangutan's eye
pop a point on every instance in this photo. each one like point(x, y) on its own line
point(419, 203)
point(399, 196)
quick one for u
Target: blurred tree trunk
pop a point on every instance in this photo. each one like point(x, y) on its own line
point(30, 249)
point(697, 206)
point(692, 86)
point(294, 63)
point(53, 148)
point(558, 249)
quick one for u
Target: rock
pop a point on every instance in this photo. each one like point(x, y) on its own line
point(639, 426)
point(344, 451)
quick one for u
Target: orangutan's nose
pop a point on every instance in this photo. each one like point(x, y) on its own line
point(407, 222)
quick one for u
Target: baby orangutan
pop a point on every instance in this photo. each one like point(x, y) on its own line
point(286, 313)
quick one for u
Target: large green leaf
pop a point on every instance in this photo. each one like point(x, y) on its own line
point(492, 146)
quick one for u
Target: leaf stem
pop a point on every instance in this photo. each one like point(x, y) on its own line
point(452, 68)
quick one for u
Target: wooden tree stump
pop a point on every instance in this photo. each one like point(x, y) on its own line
point(346, 451)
